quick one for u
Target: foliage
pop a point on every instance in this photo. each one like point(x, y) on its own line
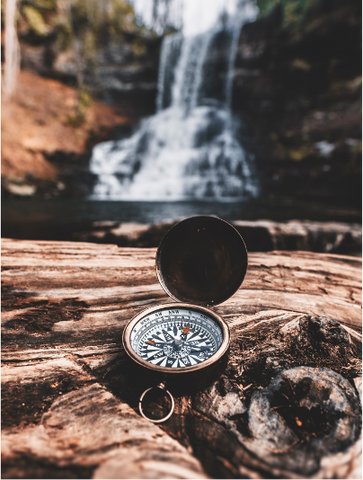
point(84, 101)
point(80, 27)
point(45, 5)
point(35, 20)
point(89, 23)
point(294, 11)
point(63, 33)
point(94, 22)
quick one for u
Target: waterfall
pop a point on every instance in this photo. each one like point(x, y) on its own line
point(12, 50)
point(169, 55)
point(239, 21)
point(191, 148)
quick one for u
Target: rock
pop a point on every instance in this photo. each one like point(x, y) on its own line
point(121, 67)
point(260, 235)
point(301, 235)
point(316, 407)
point(19, 188)
point(297, 86)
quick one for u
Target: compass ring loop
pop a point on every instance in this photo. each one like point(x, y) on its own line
point(161, 386)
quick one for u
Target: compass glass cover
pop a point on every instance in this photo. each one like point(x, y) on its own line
point(176, 338)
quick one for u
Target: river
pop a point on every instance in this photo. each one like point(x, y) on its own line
point(59, 219)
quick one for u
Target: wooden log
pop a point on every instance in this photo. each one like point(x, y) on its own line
point(286, 406)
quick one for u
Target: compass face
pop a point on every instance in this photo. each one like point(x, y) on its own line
point(176, 338)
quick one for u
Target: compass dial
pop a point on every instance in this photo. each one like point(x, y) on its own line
point(176, 338)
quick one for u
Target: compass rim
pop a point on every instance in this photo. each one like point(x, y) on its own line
point(212, 360)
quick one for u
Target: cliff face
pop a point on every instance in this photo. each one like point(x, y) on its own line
point(122, 76)
point(298, 89)
point(94, 45)
point(71, 60)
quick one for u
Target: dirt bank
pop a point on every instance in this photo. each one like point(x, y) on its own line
point(42, 136)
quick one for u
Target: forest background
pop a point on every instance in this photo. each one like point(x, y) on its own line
point(89, 72)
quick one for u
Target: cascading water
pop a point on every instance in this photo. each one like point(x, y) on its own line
point(190, 148)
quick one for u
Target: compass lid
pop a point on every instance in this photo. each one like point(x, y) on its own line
point(201, 260)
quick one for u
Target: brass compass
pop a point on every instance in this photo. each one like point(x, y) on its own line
point(200, 262)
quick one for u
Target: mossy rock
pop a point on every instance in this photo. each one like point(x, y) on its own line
point(46, 5)
point(138, 47)
point(35, 21)
point(64, 34)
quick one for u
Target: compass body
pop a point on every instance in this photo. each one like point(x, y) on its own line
point(200, 263)
point(176, 338)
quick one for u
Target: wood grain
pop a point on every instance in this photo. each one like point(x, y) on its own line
point(69, 394)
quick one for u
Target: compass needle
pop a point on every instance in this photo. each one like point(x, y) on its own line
point(157, 337)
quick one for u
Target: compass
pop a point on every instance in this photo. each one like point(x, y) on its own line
point(200, 263)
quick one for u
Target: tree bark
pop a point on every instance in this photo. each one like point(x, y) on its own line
point(287, 404)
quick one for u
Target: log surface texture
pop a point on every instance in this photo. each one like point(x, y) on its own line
point(286, 406)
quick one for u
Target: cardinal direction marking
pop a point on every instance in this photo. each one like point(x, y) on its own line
point(158, 345)
point(167, 336)
point(186, 361)
point(169, 362)
point(156, 356)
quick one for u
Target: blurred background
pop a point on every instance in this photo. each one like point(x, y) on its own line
point(120, 115)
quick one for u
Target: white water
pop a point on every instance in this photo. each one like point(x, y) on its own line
point(190, 148)
point(12, 50)
point(192, 16)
